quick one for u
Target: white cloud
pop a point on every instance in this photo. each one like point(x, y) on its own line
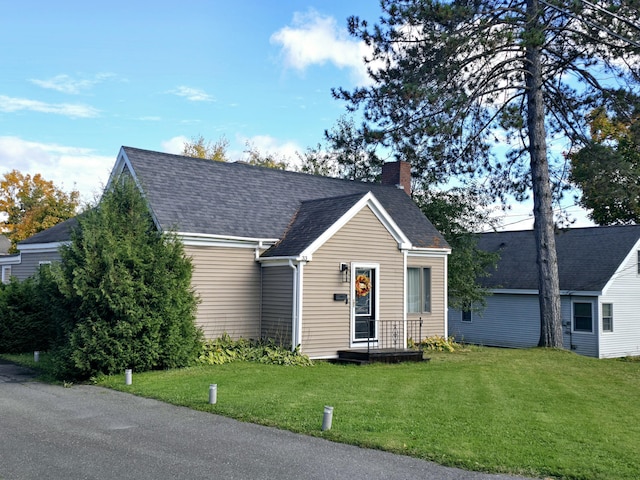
point(11, 104)
point(267, 145)
point(66, 84)
point(175, 145)
point(69, 168)
point(314, 39)
point(192, 94)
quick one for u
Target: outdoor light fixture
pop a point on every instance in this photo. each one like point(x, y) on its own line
point(344, 268)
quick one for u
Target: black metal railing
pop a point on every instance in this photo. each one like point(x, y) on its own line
point(394, 334)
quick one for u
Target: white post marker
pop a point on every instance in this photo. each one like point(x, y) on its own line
point(213, 393)
point(127, 376)
point(327, 418)
point(36, 356)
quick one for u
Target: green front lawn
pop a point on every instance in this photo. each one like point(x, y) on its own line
point(533, 412)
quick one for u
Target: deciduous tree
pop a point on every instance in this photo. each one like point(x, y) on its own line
point(607, 170)
point(453, 79)
point(201, 148)
point(31, 204)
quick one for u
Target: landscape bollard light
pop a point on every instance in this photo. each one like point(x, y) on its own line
point(36, 356)
point(213, 393)
point(127, 376)
point(327, 418)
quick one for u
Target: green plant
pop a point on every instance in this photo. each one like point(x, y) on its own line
point(225, 350)
point(435, 343)
point(24, 316)
point(125, 290)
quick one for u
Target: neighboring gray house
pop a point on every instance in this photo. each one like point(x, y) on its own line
point(599, 273)
point(308, 260)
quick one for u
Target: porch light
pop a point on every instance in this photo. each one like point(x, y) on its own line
point(344, 268)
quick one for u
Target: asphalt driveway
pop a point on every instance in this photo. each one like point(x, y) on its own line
point(88, 432)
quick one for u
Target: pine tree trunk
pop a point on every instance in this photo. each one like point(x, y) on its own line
point(548, 283)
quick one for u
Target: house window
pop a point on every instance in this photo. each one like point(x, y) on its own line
point(466, 315)
point(607, 317)
point(45, 264)
point(582, 317)
point(418, 290)
point(6, 273)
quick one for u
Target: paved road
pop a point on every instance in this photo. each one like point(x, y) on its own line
point(88, 432)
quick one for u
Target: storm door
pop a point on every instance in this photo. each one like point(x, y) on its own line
point(364, 303)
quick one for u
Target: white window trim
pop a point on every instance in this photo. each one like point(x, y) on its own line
point(606, 332)
point(422, 268)
point(6, 277)
point(470, 316)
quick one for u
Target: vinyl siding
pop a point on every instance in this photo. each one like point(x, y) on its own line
point(512, 320)
point(30, 263)
point(507, 321)
point(584, 343)
point(623, 293)
point(227, 280)
point(277, 304)
point(434, 321)
point(326, 324)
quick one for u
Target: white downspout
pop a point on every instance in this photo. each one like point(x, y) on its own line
point(299, 305)
point(295, 310)
point(404, 296)
point(446, 296)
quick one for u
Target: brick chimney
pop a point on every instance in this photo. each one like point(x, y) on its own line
point(397, 173)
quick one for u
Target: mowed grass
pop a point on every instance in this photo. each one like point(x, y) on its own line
point(538, 412)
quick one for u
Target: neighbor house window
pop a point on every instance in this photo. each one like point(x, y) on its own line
point(466, 315)
point(6, 273)
point(582, 317)
point(607, 317)
point(418, 290)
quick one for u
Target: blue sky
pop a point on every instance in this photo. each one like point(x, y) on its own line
point(80, 79)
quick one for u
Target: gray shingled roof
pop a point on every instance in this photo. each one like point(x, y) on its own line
point(587, 257)
point(193, 195)
point(58, 233)
point(312, 219)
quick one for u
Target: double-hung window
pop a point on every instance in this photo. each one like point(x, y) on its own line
point(607, 317)
point(6, 273)
point(418, 290)
point(582, 317)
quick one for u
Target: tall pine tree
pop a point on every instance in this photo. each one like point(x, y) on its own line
point(451, 80)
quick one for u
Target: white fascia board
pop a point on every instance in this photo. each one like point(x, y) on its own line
point(515, 291)
point(42, 247)
point(276, 261)
point(428, 252)
point(368, 200)
point(208, 240)
point(11, 259)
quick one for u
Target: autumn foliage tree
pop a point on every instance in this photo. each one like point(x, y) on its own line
point(607, 169)
point(31, 204)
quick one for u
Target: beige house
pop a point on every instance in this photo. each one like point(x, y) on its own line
point(316, 262)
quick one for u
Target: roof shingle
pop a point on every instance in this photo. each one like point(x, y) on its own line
point(587, 257)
